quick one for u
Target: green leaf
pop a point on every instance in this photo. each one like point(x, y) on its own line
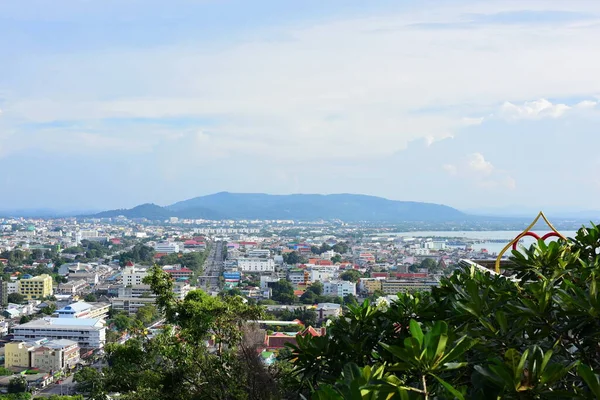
point(590, 378)
point(416, 332)
point(449, 388)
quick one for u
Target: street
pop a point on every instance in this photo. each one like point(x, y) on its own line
point(213, 268)
point(67, 387)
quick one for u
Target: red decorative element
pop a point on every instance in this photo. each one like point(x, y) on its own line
point(532, 234)
point(549, 235)
point(536, 237)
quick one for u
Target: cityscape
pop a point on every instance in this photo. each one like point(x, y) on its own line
point(299, 200)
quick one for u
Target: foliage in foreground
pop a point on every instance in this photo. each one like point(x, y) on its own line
point(206, 352)
point(477, 336)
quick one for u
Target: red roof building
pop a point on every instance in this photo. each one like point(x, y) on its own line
point(279, 339)
point(180, 272)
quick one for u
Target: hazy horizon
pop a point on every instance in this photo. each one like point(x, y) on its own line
point(475, 105)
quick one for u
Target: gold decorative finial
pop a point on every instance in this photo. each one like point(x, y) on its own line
point(527, 232)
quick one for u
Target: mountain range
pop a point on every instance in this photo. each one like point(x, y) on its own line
point(346, 207)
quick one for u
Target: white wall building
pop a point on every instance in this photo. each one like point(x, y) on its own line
point(339, 288)
point(166, 247)
point(12, 287)
point(256, 264)
point(255, 253)
point(89, 333)
point(134, 276)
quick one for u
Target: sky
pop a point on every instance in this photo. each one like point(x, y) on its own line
point(477, 105)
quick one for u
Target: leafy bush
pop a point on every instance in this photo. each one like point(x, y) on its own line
point(530, 334)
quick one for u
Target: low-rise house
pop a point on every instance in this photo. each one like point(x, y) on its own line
point(328, 310)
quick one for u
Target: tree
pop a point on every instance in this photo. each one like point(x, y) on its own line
point(17, 385)
point(341, 247)
point(350, 299)
point(292, 258)
point(122, 322)
point(25, 319)
point(282, 292)
point(531, 333)
point(429, 264)
point(316, 288)
point(309, 297)
point(336, 259)
point(16, 298)
point(89, 382)
point(90, 298)
point(351, 275)
point(147, 314)
point(181, 364)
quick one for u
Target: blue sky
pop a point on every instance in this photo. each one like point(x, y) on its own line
point(107, 104)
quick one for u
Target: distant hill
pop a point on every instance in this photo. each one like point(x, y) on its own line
point(346, 207)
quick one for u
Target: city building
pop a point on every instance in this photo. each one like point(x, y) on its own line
point(370, 285)
point(72, 287)
point(394, 286)
point(134, 275)
point(256, 264)
point(89, 333)
point(339, 288)
point(130, 305)
point(328, 310)
point(259, 253)
point(166, 247)
point(178, 273)
point(84, 310)
point(91, 277)
point(47, 355)
point(37, 287)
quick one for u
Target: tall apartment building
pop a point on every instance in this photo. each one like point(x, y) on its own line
point(37, 287)
point(134, 276)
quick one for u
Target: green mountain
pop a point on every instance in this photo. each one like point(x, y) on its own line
point(346, 207)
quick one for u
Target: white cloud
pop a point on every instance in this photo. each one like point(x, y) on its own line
point(586, 104)
point(480, 172)
point(478, 163)
point(450, 169)
point(537, 109)
point(469, 121)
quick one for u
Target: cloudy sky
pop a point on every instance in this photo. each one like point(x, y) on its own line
point(474, 104)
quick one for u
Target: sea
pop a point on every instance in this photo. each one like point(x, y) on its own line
point(492, 241)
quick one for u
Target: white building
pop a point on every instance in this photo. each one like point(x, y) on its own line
point(328, 310)
point(130, 304)
point(339, 288)
point(259, 253)
point(166, 247)
point(420, 252)
point(134, 276)
point(84, 310)
point(12, 287)
point(322, 274)
point(89, 333)
point(256, 264)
